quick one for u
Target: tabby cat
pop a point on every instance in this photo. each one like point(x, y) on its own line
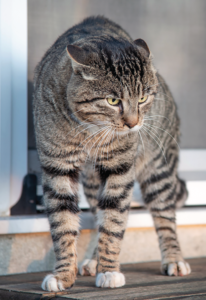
point(103, 115)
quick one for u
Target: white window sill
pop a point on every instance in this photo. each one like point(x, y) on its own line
point(138, 218)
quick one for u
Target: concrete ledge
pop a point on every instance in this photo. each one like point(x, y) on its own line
point(33, 252)
point(138, 218)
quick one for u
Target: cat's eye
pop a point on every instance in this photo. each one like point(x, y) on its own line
point(113, 101)
point(143, 99)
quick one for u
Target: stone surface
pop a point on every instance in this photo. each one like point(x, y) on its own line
point(21, 253)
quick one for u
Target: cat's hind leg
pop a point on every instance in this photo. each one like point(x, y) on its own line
point(162, 192)
point(181, 193)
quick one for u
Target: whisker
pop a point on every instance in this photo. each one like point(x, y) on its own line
point(90, 126)
point(103, 122)
point(108, 143)
point(87, 123)
point(112, 141)
point(82, 124)
point(97, 141)
point(91, 137)
point(96, 151)
point(155, 121)
point(157, 116)
point(145, 135)
point(107, 136)
point(104, 138)
point(76, 111)
point(155, 130)
point(89, 151)
point(117, 133)
point(142, 142)
point(150, 134)
point(167, 133)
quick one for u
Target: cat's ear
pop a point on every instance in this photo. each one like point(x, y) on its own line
point(142, 45)
point(81, 61)
point(79, 56)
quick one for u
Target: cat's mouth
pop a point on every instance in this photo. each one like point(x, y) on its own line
point(136, 128)
point(128, 130)
point(98, 128)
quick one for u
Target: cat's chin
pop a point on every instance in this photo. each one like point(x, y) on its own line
point(135, 128)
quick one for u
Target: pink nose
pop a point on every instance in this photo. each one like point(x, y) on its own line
point(130, 125)
point(131, 122)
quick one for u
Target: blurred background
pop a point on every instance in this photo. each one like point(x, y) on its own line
point(175, 32)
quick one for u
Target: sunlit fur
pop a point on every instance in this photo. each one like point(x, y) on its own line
point(80, 136)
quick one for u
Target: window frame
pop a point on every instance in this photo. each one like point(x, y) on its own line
point(13, 101)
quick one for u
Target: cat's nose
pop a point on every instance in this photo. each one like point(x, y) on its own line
point(130, 125)
point(131, 122)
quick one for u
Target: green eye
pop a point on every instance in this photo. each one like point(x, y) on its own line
point(113, 101)
point(141, 100)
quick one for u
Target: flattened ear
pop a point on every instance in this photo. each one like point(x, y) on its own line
point(78, 55)
point(143, 45)
point(81, 61)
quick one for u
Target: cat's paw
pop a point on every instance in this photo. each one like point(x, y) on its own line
point(179, 268)
point(88, 267)
point(52, 284)
point(110, 279)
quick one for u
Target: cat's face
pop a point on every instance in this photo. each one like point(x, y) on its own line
point(115, 95)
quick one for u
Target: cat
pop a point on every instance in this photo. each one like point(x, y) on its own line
point(102, 113)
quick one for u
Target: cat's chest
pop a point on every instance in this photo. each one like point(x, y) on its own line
point(116, 148)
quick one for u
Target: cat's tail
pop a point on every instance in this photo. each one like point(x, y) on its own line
point(181, 193)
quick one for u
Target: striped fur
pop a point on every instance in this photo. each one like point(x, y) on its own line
point(80, 135)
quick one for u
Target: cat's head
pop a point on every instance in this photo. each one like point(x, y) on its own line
point(113, 83)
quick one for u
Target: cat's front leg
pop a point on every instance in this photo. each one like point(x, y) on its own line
point(91, 184)
point(114, 203)
point(61, 201)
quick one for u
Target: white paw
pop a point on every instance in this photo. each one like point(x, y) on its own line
point(177, 269)
point(88, 267)
point(52, 284)
point(110, 279)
